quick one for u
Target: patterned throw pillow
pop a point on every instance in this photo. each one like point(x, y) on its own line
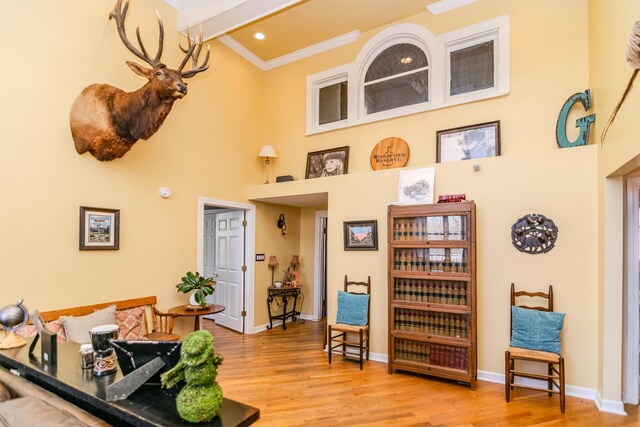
point(54, 326)
point(130, 323)
point(57, 327)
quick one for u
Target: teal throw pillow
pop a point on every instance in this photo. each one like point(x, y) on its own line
point(536, 330)
point(353, 309)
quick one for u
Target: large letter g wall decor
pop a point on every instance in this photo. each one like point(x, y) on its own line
point(583, 123)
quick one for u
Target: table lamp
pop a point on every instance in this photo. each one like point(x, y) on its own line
point(267, 153)
point(12, 318)
point(273, 264)
point(294, 262)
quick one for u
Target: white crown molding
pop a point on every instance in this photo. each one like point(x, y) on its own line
point(446, 5)
point(233, 44)
point(293, 56)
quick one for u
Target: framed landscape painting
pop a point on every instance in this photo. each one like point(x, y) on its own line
point(361, 235)
point(99, 229)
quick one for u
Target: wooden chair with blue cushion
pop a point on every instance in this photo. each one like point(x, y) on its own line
point(535, 337)
point(352, 319)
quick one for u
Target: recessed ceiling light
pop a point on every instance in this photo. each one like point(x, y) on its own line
point(259, 36)
point(406, 60)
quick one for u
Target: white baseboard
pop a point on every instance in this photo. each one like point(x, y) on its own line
point(263, 327)
point(612, 406)
point(571, 390)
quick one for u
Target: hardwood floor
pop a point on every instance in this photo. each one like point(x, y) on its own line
point(287, 376)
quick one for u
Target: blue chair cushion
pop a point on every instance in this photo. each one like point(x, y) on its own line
point(353, 309)
point(536, 330)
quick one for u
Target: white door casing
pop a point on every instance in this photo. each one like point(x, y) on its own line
point(246, 301)
point(229, 260)
point(631, 329)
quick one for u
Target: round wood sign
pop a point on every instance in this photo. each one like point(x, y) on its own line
point(390, 153)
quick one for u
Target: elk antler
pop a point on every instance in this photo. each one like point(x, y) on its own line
point(193, 51)
point(120, 14)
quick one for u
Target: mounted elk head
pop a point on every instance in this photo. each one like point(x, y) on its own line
point(107, 121)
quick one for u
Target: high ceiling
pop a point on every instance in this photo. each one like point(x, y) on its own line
point(315, 21)
point(291, 25)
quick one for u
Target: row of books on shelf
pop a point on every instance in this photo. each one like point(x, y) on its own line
point(435, 323)
point(425, 259)
point(429, 228)
point(432, 354)
point(432, 291)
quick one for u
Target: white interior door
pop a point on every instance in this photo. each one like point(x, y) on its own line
point(228, 258)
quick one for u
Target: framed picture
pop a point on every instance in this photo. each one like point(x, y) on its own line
point(327, 162)
point(468, 142)
point(416, 186)
point(361, 235)
point(99, 229)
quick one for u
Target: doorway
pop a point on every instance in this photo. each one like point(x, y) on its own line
point(320, 267)
point(631, 324)
point(226, 245)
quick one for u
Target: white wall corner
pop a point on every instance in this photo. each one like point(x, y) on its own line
point(611, 406)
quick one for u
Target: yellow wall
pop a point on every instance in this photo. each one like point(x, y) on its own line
point(51, 51)
point(532, 175)
point(610, 26)
point(208, 146)
point(271, 241)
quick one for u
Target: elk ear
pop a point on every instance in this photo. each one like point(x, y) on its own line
point(140, 70)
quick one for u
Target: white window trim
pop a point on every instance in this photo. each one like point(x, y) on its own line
point(495, 29)
point(437, 50)
point(314, 84)
point(402, 33)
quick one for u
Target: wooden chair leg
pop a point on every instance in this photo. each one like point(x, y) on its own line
point(507, 375)
point(361, 348)
point(344, 343)
point(367, 344)
point(550, 381)
point(329, 342)
point(562, 395)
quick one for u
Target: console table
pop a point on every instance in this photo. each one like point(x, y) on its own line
point(149, 406)
point(285, 293)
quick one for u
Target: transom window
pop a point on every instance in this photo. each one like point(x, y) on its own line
point(472, 68)
point(406, 69)
point(398, 76)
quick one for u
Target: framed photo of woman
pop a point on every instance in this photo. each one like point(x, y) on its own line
point(330, 162)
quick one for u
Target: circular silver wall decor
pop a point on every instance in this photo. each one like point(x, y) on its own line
point(534, 234)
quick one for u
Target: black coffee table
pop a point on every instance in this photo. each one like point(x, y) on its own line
point(148, 406)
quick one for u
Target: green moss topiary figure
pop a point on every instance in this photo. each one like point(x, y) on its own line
point(200, 399)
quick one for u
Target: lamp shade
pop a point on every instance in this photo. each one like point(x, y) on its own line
point(268, 151)
point(294, 261)
point(273, 263)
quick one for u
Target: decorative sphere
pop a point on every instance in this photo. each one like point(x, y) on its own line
point(13, 316)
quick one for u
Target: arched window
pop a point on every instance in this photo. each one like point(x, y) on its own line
point(405, 69)
point(397, 77)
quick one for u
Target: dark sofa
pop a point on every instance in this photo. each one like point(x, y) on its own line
point(23, 403)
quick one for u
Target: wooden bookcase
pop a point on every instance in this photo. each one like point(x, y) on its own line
point(432, 290)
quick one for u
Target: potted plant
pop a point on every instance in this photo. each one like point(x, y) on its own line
point(200, 285)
